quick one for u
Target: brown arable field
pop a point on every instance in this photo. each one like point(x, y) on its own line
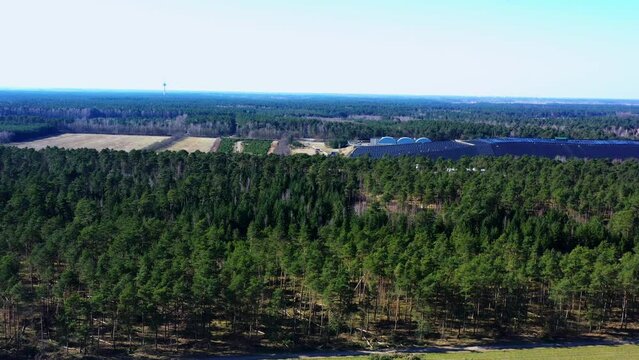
point(193, 144)
point(93, 141)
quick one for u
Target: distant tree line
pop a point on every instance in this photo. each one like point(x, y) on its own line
point(326, 117)
point(113, 251)
point(24, 128)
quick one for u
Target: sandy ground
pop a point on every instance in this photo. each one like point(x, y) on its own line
point(193, 144)
point(303, 150)
point(216, 145)
point(93, 141)
point(312, 147)
point(238, 147)
point(347, 150)
point(273, 147)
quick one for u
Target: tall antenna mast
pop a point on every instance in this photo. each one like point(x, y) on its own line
point(164, 90)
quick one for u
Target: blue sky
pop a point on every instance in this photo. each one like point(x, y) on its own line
point(485, 48)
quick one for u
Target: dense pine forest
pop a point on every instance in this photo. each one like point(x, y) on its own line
point(112, 252)
point(275, 116)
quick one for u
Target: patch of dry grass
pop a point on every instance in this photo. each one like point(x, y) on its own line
point(193, 144)
point(93, 141)
point(598, 352)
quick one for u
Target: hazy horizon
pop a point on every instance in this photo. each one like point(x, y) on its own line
point(169, 92)
point(460, 48)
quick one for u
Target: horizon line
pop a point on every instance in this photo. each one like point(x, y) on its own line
point(303, 93)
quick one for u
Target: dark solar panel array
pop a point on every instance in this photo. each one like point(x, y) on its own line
point(556, 141)
point(484, 149)
point(550, 148)
point(436, 149)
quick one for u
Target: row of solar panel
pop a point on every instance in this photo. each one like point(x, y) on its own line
point(556, 141)
point(499, 147)
point(447, 149)
point(613, 151)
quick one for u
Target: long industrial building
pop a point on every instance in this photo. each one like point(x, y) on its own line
point(549, 148)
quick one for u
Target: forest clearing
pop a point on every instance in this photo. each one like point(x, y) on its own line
point(193, 144)
point(245, 146)
point(93, 141)
point(273, 147)
point(315, 146)
point(143, 142)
